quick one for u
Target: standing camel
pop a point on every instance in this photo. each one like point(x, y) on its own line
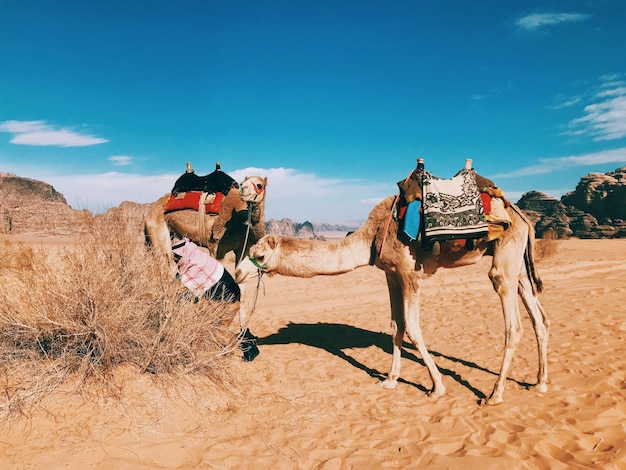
point(240, 223)
point(512, 271)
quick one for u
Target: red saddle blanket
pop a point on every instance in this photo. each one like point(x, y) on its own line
point(191, 200)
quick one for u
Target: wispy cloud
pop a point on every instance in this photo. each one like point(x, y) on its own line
point(562, 101)
point(605, 118)
point(551, 165)
point(536, 21)
point(40, 133)
point(120, 160)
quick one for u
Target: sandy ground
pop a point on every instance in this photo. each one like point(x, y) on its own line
point(311, 400)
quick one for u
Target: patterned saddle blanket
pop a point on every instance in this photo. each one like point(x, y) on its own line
point(453, 208)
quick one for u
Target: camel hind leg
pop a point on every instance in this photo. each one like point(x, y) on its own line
point(504, 275)
point(541, 325)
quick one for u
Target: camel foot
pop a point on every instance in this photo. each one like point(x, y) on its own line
point(542, 388)
point(491, 401)
point(388, 384)
point(437, 392)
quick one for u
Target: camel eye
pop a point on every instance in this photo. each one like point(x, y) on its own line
point(259, 186)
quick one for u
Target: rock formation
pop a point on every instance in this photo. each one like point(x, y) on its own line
point(289, 228)
point(595, 209)
point(35, 207)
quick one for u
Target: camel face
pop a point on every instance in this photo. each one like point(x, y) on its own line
point(244, 270)
point(253, 189)
point(263, 253)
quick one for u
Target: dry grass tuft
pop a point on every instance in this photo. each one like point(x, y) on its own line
point(548, 245)
point(75, 315)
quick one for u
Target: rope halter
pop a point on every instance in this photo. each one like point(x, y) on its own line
point(260, 267)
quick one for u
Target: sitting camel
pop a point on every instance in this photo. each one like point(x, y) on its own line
point(512, 272)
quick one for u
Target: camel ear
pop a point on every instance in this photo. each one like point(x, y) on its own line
point(272, 241)
point(265, 181)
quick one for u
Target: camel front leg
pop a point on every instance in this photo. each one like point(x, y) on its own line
point(414, 333)
point(397, 325)
point(541, 325)
point(411, 307)
point(505, 287)
point(243, 312)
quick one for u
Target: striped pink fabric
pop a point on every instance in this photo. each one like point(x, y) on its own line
point(198, 270)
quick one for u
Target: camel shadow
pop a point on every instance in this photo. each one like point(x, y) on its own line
point(334, 338)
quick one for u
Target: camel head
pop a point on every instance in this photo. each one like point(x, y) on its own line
point(262, 257)
point(252, 189)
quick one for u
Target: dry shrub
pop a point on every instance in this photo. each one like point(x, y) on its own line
point(100, 303)
point(547, 246)
point(16, 256)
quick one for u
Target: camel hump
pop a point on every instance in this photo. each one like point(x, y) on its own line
point(215, 182)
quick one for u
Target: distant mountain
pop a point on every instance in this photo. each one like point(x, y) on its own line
point(289, 228)
point(344, 227)
point(307, 230)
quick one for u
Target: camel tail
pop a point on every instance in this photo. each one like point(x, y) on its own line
point(529, 259)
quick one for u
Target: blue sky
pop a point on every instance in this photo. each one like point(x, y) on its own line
point(333, 101)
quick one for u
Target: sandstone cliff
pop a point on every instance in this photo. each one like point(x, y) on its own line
point(595, 209)
point(31, 206)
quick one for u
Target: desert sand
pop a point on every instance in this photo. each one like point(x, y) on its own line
point(312, 400)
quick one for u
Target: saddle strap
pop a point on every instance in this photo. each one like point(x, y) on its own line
point(202, 228)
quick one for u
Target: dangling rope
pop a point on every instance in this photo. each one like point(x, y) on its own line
point(248, 224)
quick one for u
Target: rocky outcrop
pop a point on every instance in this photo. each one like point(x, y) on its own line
point(595, 209)
point(289, 228)
point(547, 213)
point(601, 195)
point(35, 207)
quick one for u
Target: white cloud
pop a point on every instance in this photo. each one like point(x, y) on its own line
point(101, 191)
point(40, 133)
point(120, 160)
point(307, 196)
point(550, 165)
point(535, 21)
point(290, 193)
point(605, 119)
